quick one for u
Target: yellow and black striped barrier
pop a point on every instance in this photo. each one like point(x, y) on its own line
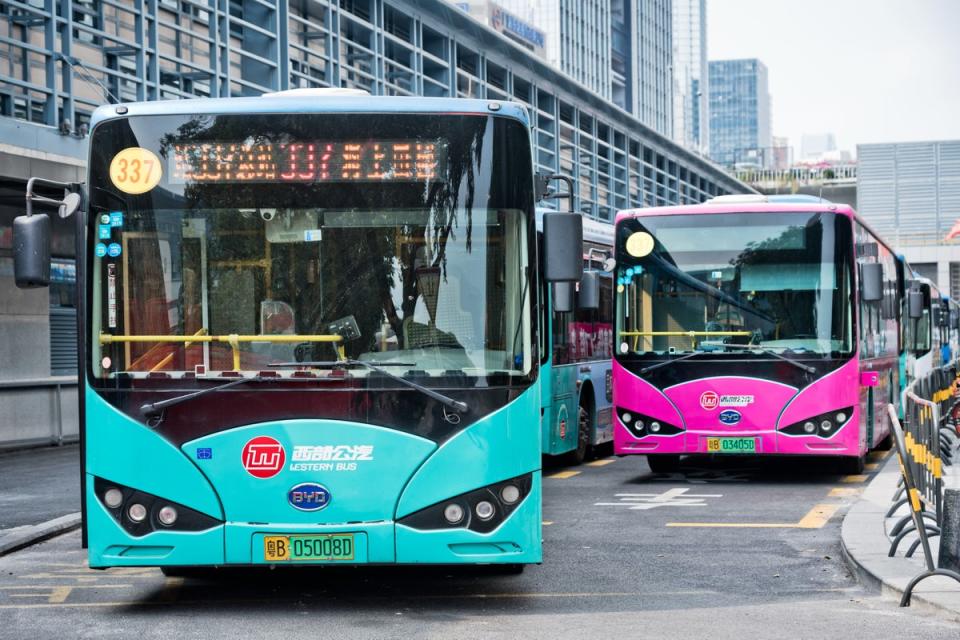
point(907, 458)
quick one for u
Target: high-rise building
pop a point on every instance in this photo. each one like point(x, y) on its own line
point(654, 56)
point(781, 157)
point(909, 192)
point(690, 121)
point(619, 49)
point(740, 113)
point(577, 33)
point(814, 145)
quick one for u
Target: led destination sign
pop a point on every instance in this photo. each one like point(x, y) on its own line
point(367, 161)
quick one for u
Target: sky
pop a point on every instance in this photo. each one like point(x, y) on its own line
point(864, 70)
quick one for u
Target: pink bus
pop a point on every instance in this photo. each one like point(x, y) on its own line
point(754, 325)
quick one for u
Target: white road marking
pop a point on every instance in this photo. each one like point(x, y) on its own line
point(670, 498)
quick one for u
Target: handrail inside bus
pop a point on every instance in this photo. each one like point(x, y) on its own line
point(232, 339)
point(636, 335)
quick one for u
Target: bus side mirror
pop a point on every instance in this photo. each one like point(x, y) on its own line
point(562, 247)
point(562, 296)
point(872, 276)
point(31, 251)
point(915, 304)
point(589, 290)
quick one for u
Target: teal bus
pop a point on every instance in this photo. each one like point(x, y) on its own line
point(310, 330)
point(576, 371)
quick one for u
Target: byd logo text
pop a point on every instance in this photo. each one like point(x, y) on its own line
point(263, 457)
point(709, 400)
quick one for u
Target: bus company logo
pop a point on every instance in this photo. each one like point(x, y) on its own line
point(736, 401)
point(308, 496)
point(333, 452)
point(263, 457)
point(709, 400)
point(729, 416)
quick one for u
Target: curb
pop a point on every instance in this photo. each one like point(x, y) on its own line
point(864, 544)
point(20, 537)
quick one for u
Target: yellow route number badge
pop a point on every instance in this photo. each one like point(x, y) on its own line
point(135, 170)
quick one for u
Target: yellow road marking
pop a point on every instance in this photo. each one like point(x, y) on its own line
point(843, 492)
point(880, 455)
point(818, 516)
point(601, 463)
point(563, 475)
point(872, 466)
point(547, 523)
point(853, 479)
point(734, 525)
point(814, 519)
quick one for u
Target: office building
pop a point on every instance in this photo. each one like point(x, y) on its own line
point(910, 193)
point(740, 113)
point(690, 92)
point(619, 49)
point(815, 145)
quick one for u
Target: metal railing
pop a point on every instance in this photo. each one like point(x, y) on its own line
point(931, 402)
point(57, 383)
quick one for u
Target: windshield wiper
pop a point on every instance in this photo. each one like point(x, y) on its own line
point(747, 347)
point(154, 409)
point(686, 356)
point(456, 405)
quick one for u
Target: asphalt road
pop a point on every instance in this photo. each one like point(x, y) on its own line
point(37, 485)
point(733, 548)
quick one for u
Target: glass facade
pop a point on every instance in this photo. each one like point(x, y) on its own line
point(739, 113)
point(690, 123)
point(60, 64)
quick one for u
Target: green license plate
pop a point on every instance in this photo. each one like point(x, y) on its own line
point(731, 445)
point(331, 547)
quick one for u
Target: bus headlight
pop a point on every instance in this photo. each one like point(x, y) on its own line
point(167, 515)
point(481, 510)
point(137, 512)
point(510, 494)
point(453, 513)
point(825, 425)
point(485, 510)
point(113, 498)
point(141, 513)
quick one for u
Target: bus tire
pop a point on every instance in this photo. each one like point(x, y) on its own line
point(852, 465)
point(185, 572)
point(886, 444)
point(664, 463)
point(579, 454)
point(511, 569)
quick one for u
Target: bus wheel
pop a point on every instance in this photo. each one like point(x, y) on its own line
point(886, 444)
point(852, 465)
point(663, 464)
point(512, 569)
point(578, 455)
point(186, 572)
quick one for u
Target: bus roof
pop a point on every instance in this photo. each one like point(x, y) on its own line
point(753, 205)
point(736, 207)
point(331, 102)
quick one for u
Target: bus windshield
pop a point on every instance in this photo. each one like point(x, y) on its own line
point(293, 238)
point(774, 281)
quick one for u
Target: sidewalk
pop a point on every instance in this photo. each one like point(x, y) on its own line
point(865, 545)
point(39, 494)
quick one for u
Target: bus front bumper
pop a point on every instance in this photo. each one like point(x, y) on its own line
point(516, 541)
